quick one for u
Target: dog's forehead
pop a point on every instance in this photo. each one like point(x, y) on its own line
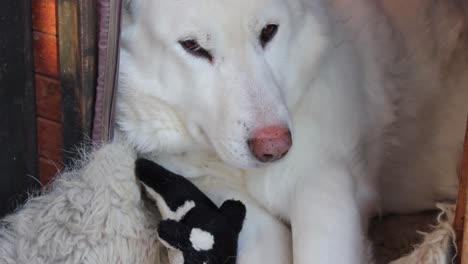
point(230, 5)
point(232, 12)
point(214, 21)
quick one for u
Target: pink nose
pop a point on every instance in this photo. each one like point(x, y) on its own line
point(270, 143)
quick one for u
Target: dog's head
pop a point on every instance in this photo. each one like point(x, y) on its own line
point(214, 74)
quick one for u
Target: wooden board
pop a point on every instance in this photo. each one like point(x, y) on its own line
point(461, 216)
point(48, 92)
point(77, 52)
point(44, 16)
point(48, 169)
point(45, 54)
point(48, 98)
point(50, 139)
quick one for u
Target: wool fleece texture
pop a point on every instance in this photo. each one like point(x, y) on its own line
point(91, 214)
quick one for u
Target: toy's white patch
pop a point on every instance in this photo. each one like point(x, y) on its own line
point(201, 240)
point(166, 212)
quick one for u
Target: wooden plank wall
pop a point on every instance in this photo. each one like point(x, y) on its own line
point(77, 56)
point(47, 83)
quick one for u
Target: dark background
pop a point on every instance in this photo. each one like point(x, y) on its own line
point(18, 142)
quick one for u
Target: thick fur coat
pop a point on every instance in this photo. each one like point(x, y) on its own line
point(375, 126)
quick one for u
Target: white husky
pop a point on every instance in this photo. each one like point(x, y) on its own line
point(304, 109)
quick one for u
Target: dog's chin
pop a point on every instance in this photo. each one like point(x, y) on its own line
point(244, 164)
point(242, 161)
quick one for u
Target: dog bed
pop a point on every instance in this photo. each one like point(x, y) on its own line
point(94, 213)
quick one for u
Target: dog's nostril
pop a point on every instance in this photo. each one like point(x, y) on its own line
point(267, 157)
point(250, 143)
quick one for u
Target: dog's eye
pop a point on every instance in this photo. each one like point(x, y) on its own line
point(192, 47)
point(268, 33)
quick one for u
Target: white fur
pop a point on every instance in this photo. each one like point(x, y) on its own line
point(201, 240)
point(354, 94)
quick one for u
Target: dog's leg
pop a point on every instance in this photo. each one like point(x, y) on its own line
point(263, 238)
point(325, 220)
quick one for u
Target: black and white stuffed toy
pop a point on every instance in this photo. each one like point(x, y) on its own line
point(193, 228)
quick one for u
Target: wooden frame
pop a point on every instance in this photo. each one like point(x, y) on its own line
point(461, 215)
point(77, 56)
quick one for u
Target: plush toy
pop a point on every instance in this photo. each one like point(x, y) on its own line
point(193, 228)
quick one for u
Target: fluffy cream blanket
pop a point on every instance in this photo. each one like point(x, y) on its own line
point(92, 214)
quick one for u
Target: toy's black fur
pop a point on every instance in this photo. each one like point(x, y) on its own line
point(223, 223)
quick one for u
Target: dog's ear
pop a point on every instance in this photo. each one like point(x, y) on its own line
point(235, 212)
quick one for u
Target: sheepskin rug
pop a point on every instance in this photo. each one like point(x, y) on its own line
point(95, 213)
point(91, 214)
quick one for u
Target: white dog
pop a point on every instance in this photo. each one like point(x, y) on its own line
point(304, 109)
